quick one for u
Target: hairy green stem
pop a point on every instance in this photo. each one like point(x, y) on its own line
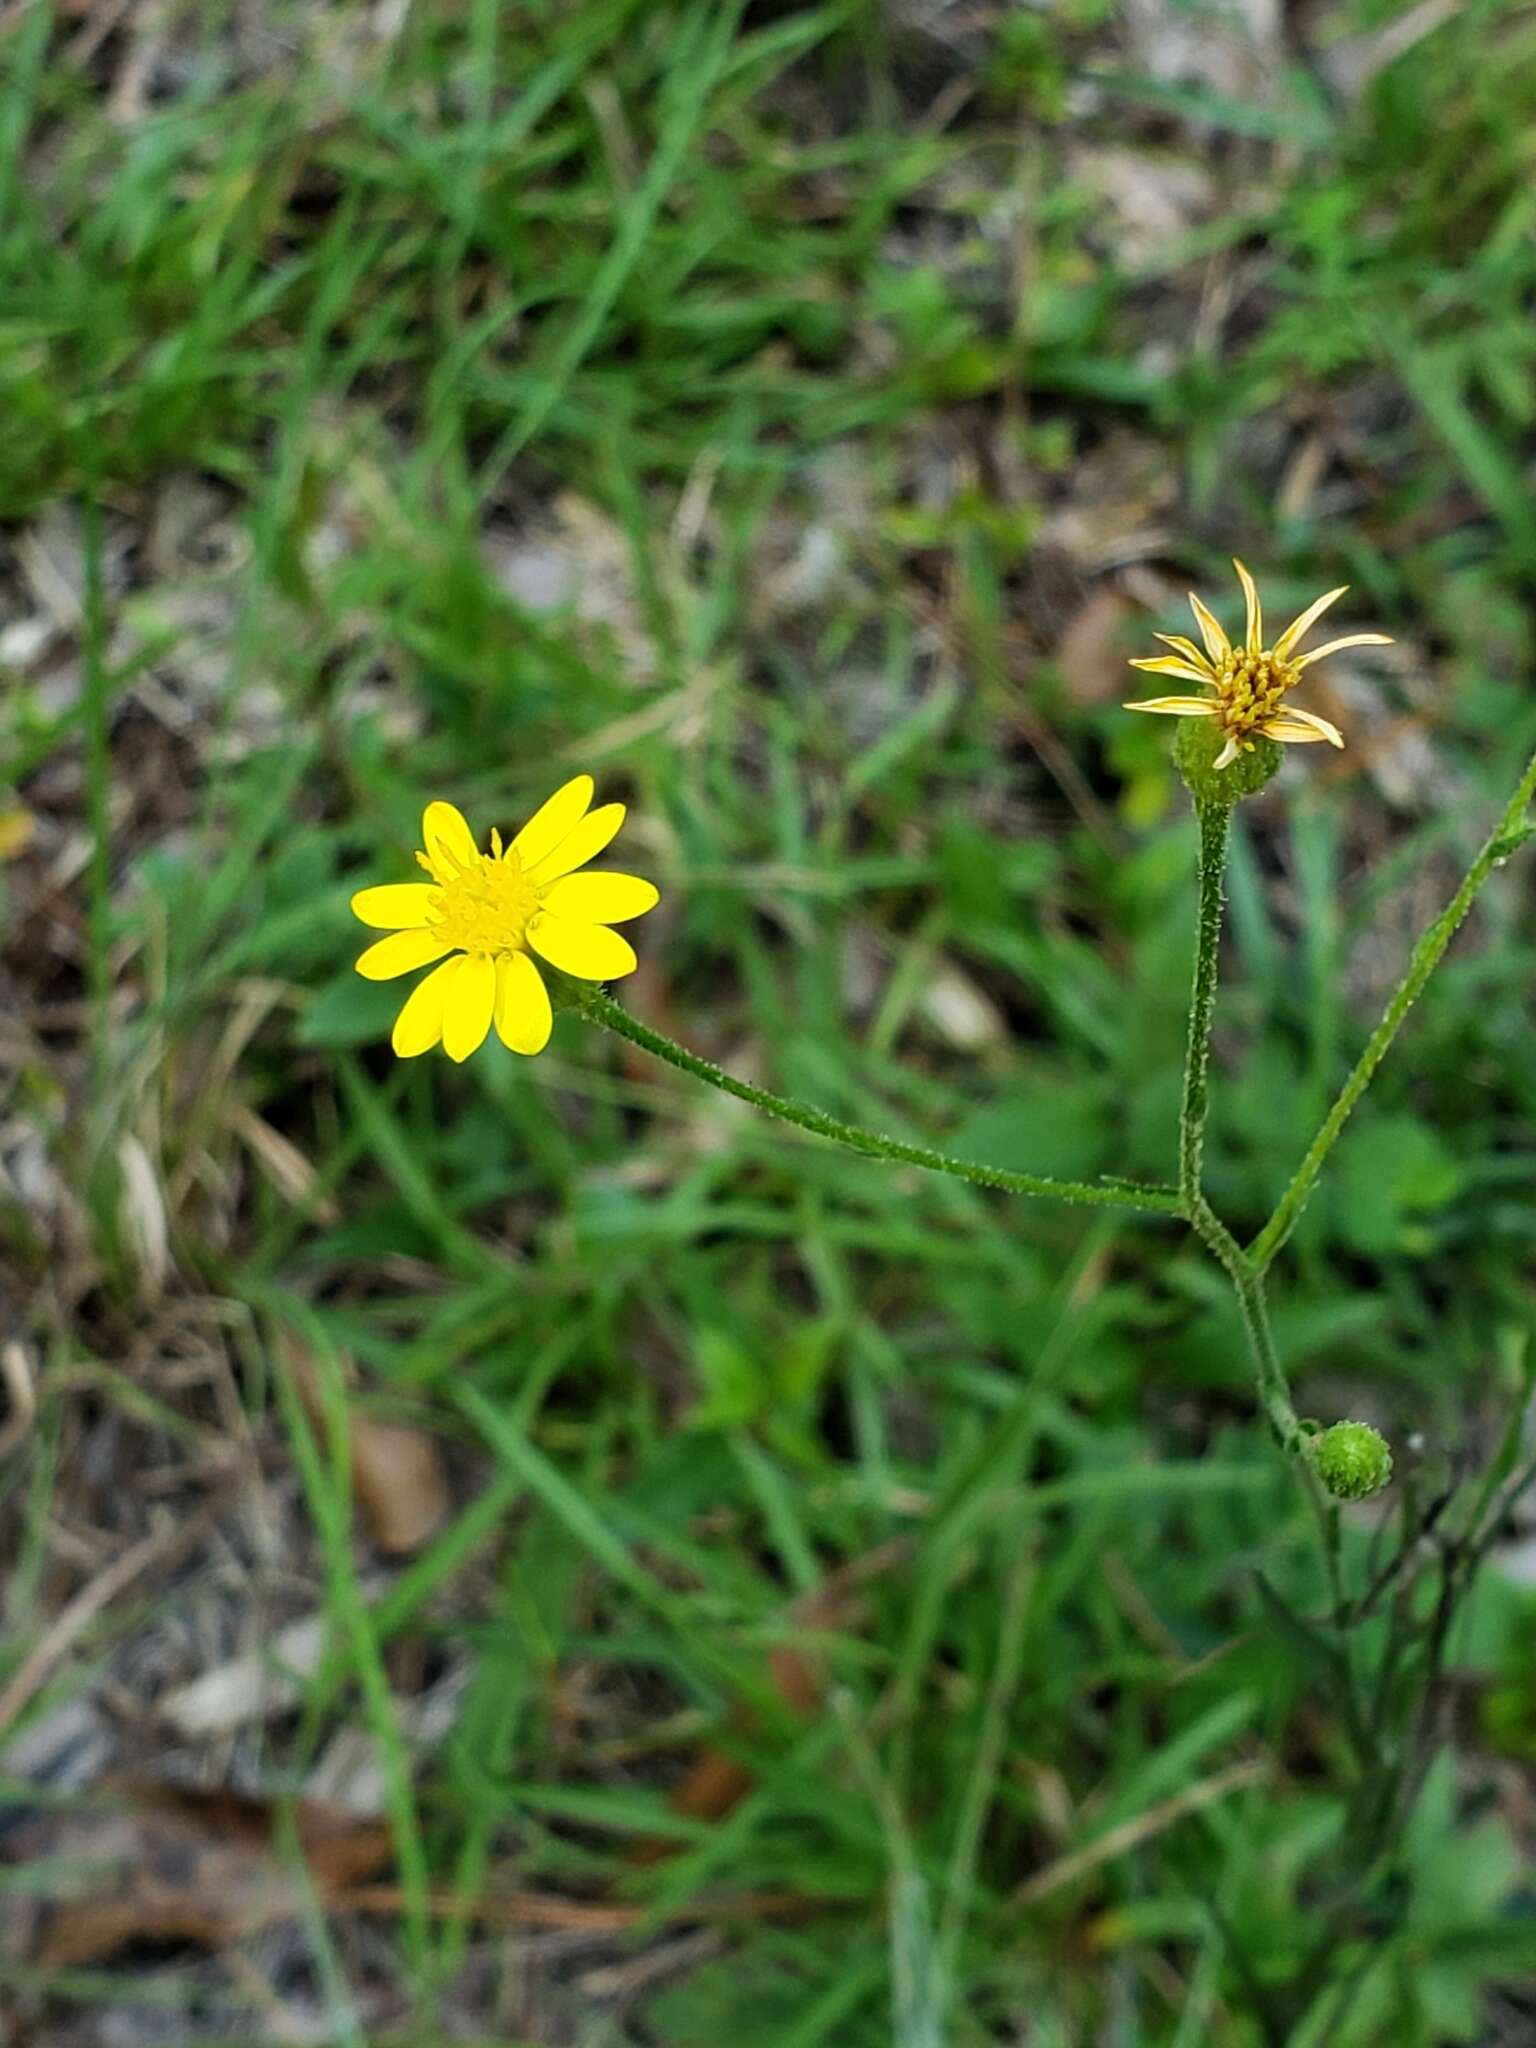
point(602, 1009)
point(1505, 837)
point(1248, 1286)
point(1247, 1281)
point(1215, 820)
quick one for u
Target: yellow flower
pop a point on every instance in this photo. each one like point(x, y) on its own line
point(1251, 681)
point(493, 911)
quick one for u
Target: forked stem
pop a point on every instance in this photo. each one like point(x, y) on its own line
point(1244, 1268)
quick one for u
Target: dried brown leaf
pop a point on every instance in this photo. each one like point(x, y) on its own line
point(172, 1865)
point(398, 1479)
point(1091, 652)
point(290, 1172)
point(715, 1783)
point(397, 1475)
point(141, 1212)
point(20, 1385)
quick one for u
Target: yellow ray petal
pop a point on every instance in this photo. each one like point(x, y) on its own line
point(1212, 631)
point(420, 1023)
point(601, 897)
point(399, 954)
point(1178, 707)
point(589, 951)
point(1294, 715)
point(1305, 621)
point(1349, 640)
point(523, 1014)
point(1255, 610)
point(552, 820)
point(1190, 652)
point(467, 1008)
point(1293, 733)
point(1228, 755)
point(1170, 665)
point(395, 906)
point(585, 843)
point(449, 842)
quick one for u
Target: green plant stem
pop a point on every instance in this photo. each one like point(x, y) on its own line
point(1215, 821)
point(1247, 1281)
point(602, 1009)
point(1248, 1286)
point(1503, 840)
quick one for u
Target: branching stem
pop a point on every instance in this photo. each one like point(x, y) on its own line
point(1244, 1268)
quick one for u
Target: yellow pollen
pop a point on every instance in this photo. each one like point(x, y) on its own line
point(486, 906)
point(1252, 689)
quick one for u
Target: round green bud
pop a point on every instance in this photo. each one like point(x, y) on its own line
point(1351, 1459)
point(1196, 746)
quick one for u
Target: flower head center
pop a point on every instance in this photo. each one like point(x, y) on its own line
point(486, 906)
point(1252, 688)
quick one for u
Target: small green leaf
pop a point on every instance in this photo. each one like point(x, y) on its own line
point(1389, 1173)
point(735, 1391)
point(349, 1011)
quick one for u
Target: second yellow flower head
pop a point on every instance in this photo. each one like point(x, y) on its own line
point(1250, 682)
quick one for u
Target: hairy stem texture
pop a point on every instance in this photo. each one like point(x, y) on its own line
point(602, 1009)
point(1505, 837)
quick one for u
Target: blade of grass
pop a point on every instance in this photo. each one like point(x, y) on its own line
point(699, 56)
point(327, 1490)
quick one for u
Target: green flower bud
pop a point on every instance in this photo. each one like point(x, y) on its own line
point(1351, 1459)
point(1196, 745)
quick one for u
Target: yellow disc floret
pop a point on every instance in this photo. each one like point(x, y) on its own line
point(486, 907)
point(1250, 689)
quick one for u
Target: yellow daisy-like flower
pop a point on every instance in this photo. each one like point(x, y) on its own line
point(1251, 682)
point(493, 911)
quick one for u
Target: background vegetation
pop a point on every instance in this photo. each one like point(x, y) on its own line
point(830, 1604)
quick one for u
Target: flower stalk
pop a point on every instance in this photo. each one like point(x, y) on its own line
point(1215, 820)
point(1506, 837)
point(602, 1009)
